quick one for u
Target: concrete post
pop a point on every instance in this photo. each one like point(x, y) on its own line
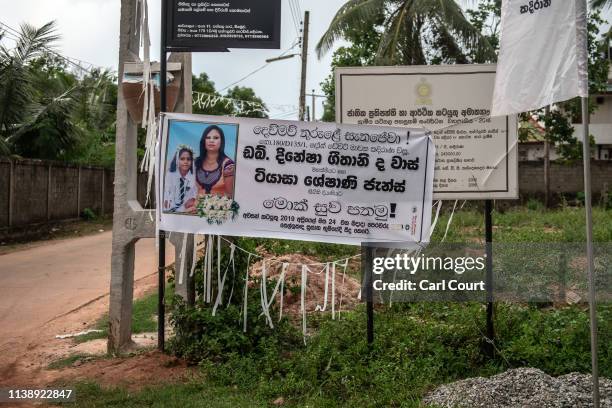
point(130, 221)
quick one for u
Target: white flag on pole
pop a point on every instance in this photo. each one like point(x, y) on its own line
point(543, 55)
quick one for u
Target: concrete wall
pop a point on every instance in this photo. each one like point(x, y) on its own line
point(564, 179)
point(43, 191)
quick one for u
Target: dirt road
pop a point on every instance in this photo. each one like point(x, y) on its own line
point(57, 287)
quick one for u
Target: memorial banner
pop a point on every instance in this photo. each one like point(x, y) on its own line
point(294, 180)
point(476, 155)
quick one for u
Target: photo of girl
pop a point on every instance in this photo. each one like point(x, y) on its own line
point(214, 170)
point(180, 190)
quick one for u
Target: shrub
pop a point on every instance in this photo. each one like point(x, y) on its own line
point(88, 214)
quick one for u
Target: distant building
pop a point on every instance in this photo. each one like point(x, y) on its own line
point(600, 127)
point(601, 122)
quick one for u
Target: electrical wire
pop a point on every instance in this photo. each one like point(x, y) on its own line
point(256, 70)
point(295, 17)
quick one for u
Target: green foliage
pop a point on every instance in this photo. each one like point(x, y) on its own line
point(16, 79)
point(601, 3)
point(417, 346)
point(193, 394)
point(200, 335)
point(556, 341)
point(412, 33)
point(47, 112)
point(486, 18)
point(89, 214)
point(245, 103)
point(534, 204)
point(607, 200)
point(364, 42)
point(383, 32)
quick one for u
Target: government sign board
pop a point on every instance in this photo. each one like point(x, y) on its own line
point(294, 180)
point(476, 155)
point(220, 24)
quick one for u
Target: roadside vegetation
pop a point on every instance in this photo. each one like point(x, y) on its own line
point(417, 346)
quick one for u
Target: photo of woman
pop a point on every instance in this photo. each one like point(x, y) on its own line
point(214, 170)
point(180, 190)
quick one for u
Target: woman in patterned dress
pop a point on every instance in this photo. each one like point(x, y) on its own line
point(214, 170)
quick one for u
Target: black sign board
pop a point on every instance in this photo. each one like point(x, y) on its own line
point(216, 25)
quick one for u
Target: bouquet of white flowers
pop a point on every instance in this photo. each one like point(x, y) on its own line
point(216, 209)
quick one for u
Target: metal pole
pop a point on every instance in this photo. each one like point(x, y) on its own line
point(369, 293)
point(489, 278)
point(586, 153)
point(304, 66)
point(161, 315)
point(547, 165)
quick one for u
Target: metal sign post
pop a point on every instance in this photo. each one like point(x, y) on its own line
point(489, 349)
point(586, 153)
point(161, 307)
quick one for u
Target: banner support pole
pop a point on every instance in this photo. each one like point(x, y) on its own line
point(586, 156)
point(367, 269)
point(489, 277)
point(161, 312)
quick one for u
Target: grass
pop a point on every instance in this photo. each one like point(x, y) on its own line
point(70, 360)
point(192, 394)
point(144, 313)
point(417, 346)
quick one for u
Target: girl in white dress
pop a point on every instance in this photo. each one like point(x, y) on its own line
point(180, 190)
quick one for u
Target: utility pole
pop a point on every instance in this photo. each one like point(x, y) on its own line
point(304, 65)
point(314, 118)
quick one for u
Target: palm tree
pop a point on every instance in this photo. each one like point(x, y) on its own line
point(601, 3)
point(407, 27)
point(16, 81)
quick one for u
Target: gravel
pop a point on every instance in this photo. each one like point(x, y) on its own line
point(521, 388)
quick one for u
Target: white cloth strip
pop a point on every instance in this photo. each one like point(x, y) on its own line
point(182, 267)
point(320, 308)
point(282, 292)
point(303, 300)
point(246, 288)
point(218, 263)
point(194, 256)
point(264, 294)
point(211, 246)
point(221, 282)
point(232, 251)
point(450, 219)
point(435, 221)
point(343, 287)
point(333, 290)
